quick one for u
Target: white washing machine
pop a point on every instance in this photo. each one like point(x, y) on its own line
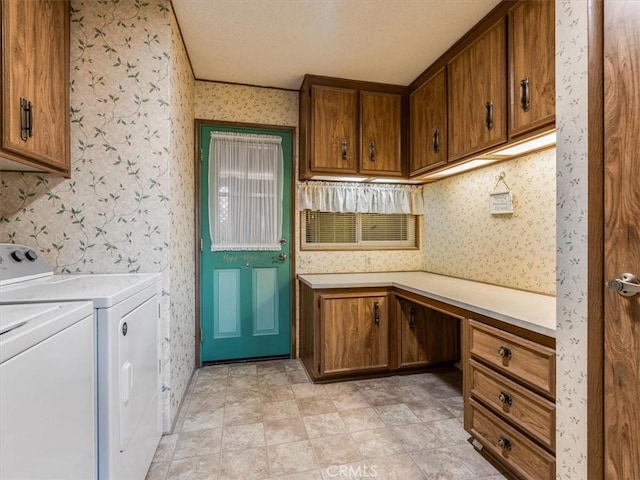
point(127, 311)
point(48, 391)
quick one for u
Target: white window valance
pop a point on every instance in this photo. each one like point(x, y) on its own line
point(360, 198)
point(245, 191)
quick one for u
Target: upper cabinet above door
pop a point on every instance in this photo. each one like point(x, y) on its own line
point(34, 54)
point(532, 73)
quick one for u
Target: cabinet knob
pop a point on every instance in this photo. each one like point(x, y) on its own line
point(525, 101)
point(504, 443)
point(505, 398)
point(505, 353)
point(343, 146)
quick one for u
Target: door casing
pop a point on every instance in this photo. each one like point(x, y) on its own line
point(198, 233)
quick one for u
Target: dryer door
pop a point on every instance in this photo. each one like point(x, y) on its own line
point(138, 366)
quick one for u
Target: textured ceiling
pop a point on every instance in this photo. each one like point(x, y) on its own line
point(273, 43)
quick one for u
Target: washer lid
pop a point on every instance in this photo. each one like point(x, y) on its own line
point(105, 290)
point(23, 326)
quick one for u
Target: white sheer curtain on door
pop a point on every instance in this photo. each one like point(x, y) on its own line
point(245, 191)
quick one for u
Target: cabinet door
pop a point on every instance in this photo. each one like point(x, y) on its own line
point(532, 91)
point(333, 125)
point(427, 336)
point(428, 107)
point(477, 82)
point(380, 124)
point(414, 349)
point(354, 332)
point(35, 67)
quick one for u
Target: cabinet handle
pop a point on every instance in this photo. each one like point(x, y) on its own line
point(504, 443)
point(505, 398)
point(505, 353)
point(489, 115)
point(436, 140)
point(343, 146)
point(372, 151)
point(524, 94)
point(412, 318)
point(376, 313)
point(26, 119)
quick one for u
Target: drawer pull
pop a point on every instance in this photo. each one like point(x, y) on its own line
point(505, 353)
point(504, 443)
point(505, 398)
point(376, 313)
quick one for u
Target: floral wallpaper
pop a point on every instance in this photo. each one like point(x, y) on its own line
point(182, 222)
point(463, 239)
point(115, 213)
point(571, 335)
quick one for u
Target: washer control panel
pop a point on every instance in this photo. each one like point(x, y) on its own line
point(20, 262)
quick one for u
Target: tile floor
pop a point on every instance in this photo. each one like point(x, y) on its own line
point(267, 421)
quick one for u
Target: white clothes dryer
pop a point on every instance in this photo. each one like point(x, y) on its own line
point(127, 311)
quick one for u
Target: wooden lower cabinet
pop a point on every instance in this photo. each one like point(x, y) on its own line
point(354, 332)
point(509, 397)
point(427, 336)
point(349, 333)
point(524, 457)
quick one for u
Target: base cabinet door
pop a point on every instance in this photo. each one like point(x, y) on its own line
point(427, 337)
point(354, 332)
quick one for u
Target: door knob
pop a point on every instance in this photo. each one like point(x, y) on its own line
point(627, 285)
point(282, 257)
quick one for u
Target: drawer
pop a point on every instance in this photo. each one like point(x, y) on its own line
point(525, 409)
point(524, 360)
point(527, 459)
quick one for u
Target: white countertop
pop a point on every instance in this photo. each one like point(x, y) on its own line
point(532, 311)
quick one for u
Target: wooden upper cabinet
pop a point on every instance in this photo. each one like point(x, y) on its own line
point(334, 145)
point(350, 128)
point(532, 90)
point(381, 136)
point(477, 97)
point(354, 332)
point(35, 86)
point(428, 120)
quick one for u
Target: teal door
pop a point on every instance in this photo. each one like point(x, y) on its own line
point(245, 295)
